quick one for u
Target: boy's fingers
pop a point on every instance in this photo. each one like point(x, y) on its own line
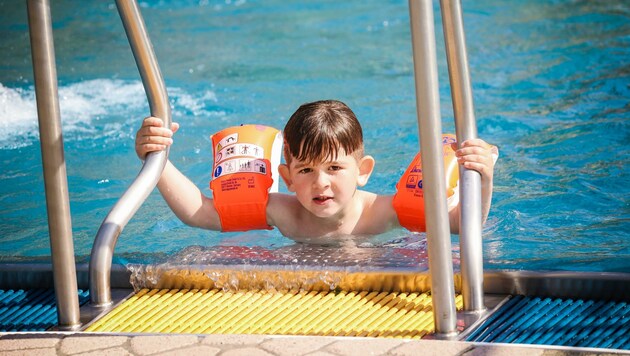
point(157, 131)
point(476, 154)
point(146, 148)
point(473, 158)
point(472, 151)
point(153, 126)
point(479, 167)
point(149, 133)
point(476, 142)
point(152, 136)
point(148, 140)
point(152, 121)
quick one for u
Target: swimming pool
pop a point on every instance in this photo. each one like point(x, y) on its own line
point(550, 80)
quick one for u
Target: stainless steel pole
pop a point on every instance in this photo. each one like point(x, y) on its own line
point(434, 185)
point(471, 250)
point(54, 164)
point(107, 235)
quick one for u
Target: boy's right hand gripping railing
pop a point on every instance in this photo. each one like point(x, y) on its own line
point(107, 236)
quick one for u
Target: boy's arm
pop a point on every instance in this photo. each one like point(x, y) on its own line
point(182, 196)
point(186, 200)
point(476, 154)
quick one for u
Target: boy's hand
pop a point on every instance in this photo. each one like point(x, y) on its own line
point(153, 137)
point(477, 154)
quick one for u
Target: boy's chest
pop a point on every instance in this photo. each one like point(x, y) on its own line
point(307, 226)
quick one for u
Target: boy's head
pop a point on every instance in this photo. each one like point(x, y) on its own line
point(317, 132)
point(324, 158)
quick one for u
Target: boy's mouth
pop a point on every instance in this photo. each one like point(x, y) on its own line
point(321, 199)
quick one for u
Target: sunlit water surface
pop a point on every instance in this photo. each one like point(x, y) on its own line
point(550, 81)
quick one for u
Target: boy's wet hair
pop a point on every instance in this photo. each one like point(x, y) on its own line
point(317, 131)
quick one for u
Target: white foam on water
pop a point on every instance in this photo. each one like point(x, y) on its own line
point(194, 104)
point(82, 105)
point(79, 104)
point(18, 116)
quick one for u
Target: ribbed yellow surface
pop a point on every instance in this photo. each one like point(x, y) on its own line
point(377, 314)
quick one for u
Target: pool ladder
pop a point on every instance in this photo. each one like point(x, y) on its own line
point(427, 97)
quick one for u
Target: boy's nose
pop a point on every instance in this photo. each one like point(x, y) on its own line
point(321, 180)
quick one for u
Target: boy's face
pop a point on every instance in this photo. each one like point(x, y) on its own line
point(326, 189)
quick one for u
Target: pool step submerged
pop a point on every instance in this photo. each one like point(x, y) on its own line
point(30, 310)
point(566, 322)
point(214, 311)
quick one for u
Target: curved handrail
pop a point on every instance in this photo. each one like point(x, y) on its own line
point(470, 239)
point(107, 235)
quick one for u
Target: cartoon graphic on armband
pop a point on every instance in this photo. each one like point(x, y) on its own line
point(245, 170)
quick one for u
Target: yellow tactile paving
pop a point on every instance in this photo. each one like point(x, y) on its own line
point(375, 314)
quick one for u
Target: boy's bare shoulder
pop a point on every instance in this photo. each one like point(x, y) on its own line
point(282, 202)
point(375, 201)
point(378, 213)
point(282, 196)
point(282, 210)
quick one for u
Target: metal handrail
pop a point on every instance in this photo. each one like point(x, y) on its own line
point(430, 132)
point(107, 235)
point(470, 218)
point(54, 164)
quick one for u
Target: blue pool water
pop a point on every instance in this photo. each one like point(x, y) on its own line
point(550, 80)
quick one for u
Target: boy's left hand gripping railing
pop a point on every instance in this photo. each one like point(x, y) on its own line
point(107, 236)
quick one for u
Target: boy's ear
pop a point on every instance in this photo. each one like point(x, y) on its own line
point(366, 166)
point(283, 169)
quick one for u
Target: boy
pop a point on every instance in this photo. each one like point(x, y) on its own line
point(325, 163)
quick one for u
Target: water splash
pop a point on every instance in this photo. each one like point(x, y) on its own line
point(91, 109)
point(18, 117)
point(296, 267)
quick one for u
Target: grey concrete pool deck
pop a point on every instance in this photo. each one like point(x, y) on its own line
point(81, 343)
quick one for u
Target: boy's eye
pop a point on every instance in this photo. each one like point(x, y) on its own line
point(305, 170)
point(334, 168)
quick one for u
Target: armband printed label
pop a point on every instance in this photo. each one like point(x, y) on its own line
point(227, 140)
point(238, 165)
point(244, 171)
point(239, 149)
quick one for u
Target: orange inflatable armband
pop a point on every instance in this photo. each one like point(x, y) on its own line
point(409, 199)
point(245, 170)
